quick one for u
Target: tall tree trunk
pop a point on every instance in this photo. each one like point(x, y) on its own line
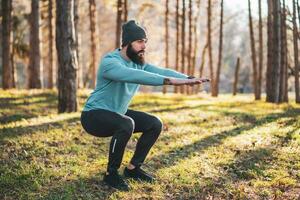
point(236, 76)
point(211, 69)
point(50, 28)
point(176, 89)
point(182, 88)
point(190, 46)
point(77, 35)
point(202, 65)
point(274, 46)
point(119, 21)
point(296, 53)
point(35, 65)
point(283, 93)
point(260, 52)
point(7, 47)
point(125, 5)
point(67, 60)
point(92, 13)
point(215, 88)
point(253, 53)
point(166, 40)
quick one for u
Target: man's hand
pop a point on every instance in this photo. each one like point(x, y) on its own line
point(193, 81)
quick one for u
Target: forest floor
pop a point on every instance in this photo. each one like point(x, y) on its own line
point(211, 148)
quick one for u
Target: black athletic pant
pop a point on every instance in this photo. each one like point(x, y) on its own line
point(104, 123)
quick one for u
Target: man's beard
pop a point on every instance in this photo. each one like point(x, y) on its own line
point(136, 57)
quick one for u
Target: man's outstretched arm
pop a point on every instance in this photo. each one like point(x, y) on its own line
point(165, 71)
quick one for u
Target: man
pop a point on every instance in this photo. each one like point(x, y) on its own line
point(106, 111)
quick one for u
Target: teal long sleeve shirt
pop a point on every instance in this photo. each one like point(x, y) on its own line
point(118, 80)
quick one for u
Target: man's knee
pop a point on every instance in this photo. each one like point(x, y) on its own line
point(157, 124)
point(128, 126)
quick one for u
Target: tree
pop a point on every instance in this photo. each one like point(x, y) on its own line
point(236, 76)
point(50, 27)
point(182, 88)
point(125, 5)
point(67, 60)
point(166, 40)
point(283, 90)
point(92, 14)
point(260, 52)
point(177, 42)
point(296, 53)
point(35, 64)
point(7, 48)
point(215, 86)
point(119, 21)
point(253, 53)
point(274, 46)
point(189, 67)
point(209, 46)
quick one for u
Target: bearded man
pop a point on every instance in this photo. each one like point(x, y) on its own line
point(106, 112)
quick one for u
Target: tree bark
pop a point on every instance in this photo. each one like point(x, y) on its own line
point(274, 46)
point(296, 53)
point(236, 77)
point(92, 14)
point(7, 47)
point(209, 41)
point(119, 21)
point(67, 60)
point(77, 35)
point(190, 46)
point(50, 28)
point(166, 40)
point(253, 54)
point(260, 52)
point(182, 88)
point(125, 5)
point(35, 67)
point(283, 93)
point(176, 89)
point(215, 88)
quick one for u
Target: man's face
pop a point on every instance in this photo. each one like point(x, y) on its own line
point(136, 51)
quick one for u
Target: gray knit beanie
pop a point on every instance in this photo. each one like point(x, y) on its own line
point(132, 31)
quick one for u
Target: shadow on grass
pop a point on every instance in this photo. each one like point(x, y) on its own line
point(82, 188)
point(24, 130)
point(172, 156)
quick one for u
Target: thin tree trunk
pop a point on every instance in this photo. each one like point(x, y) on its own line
point(7, 48)
point(260, 52)
point(125, 5)
point(236, 76)
point(66, 52)
point(77, 35)
point(92, 14)
point(190, 46)
point(166, 40)
point(119, 21)
point(35, 53)
point(50, 28)
point(283, 93)
point(202, 65)
point(176, 89)
point(253, 53)
point(215, 89)
point(296, 53)
point(182, 88)
point(209, 41)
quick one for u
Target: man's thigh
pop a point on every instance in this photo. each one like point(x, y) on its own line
point(105, 123)
point(143, 121)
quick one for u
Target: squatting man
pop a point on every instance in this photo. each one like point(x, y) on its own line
point(106, 113)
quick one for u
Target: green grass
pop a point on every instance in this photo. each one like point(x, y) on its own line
point(220, 148)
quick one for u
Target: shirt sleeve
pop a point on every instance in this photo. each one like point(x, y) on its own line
point(118, 72)
point(164, 71)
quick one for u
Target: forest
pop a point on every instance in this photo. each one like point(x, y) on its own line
point(236, 137)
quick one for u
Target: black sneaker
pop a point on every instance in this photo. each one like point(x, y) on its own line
point(114, 180)
point(138, 174)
